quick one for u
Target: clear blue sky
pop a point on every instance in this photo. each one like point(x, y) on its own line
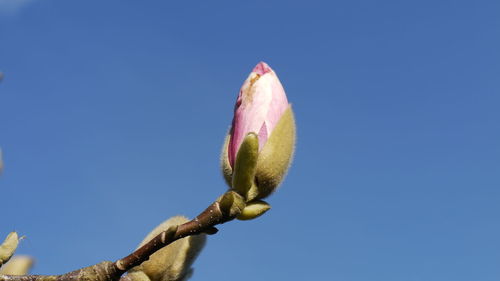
point(113, 113)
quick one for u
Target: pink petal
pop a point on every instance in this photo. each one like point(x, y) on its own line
point(260, 104)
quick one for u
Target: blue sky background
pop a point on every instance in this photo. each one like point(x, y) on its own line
point(113, 113)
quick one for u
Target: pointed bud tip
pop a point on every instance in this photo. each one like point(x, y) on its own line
point(262, 68)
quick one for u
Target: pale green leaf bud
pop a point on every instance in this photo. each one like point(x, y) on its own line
point(231, 204)
point(8, 247)
point(254, 210)
point(17, 265)
point(172, 262)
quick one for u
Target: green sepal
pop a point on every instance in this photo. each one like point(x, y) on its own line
point(254, 210)
point(276, 156)
point(227, 170)
point(245, 165)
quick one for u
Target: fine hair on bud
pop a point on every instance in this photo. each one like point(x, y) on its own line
point(276, 156)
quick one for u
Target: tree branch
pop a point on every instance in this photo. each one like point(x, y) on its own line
point(203, 223)
point(226, 208)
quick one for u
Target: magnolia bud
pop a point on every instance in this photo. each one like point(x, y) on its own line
point(261, 110)
point(172, 262)
point(8, 247)
point(17, 265)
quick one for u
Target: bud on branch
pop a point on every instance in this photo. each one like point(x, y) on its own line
point(255, 158)
point(260, 145)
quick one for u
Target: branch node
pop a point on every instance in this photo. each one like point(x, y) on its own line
point(119, 264)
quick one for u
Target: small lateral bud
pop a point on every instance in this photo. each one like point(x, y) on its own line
point(231, 204)
point(254, 210)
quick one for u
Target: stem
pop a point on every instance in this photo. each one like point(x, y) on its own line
point(205, 222)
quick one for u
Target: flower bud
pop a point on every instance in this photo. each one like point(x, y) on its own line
point(17, 265)
point(261, 110)
point(8, 247)
point(172, 262)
